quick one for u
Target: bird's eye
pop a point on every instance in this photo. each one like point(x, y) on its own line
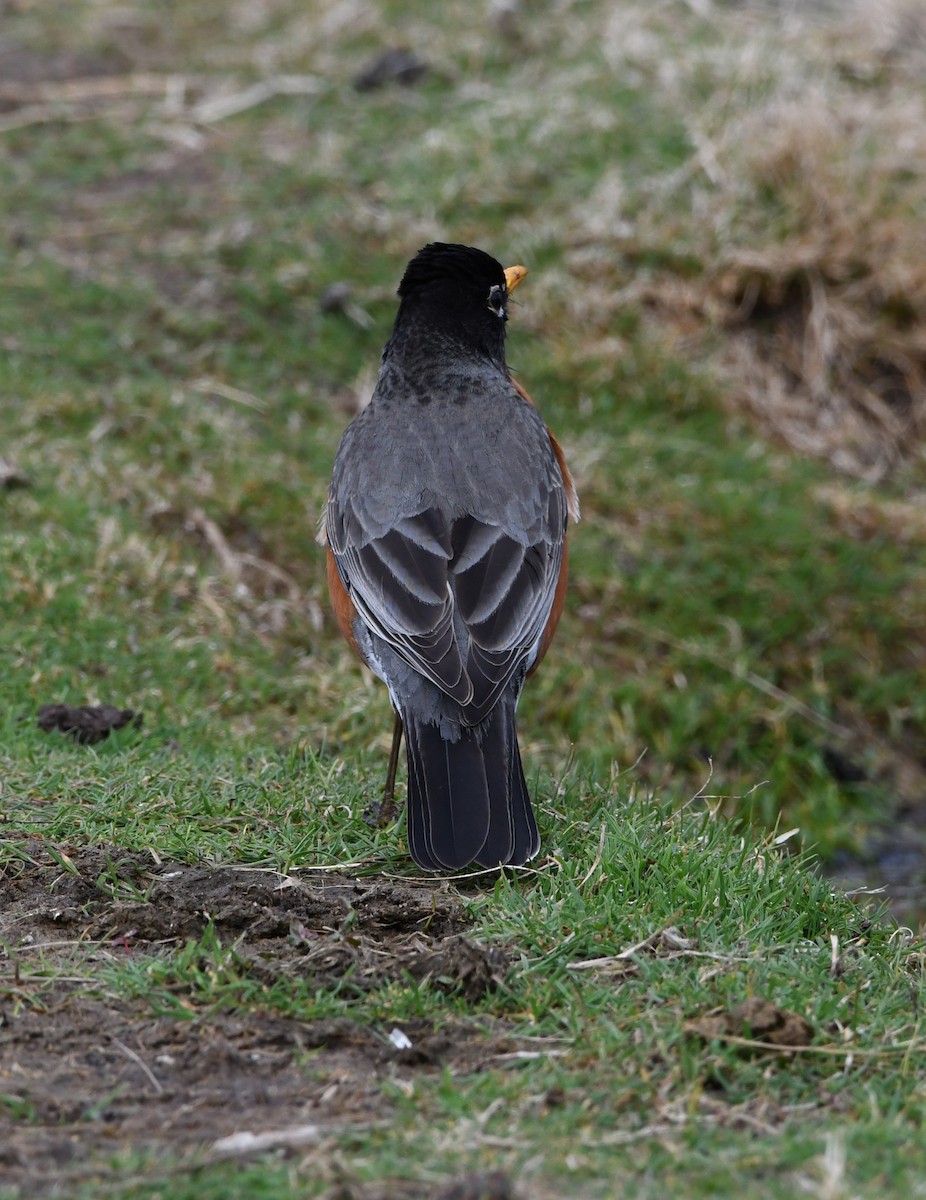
point(497, 298)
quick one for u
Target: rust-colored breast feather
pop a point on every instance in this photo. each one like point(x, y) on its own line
point(572, 507)
point(341, 602)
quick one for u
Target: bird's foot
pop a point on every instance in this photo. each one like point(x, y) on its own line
point(379, 813)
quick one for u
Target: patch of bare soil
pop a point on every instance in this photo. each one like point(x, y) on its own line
point(85, 1074)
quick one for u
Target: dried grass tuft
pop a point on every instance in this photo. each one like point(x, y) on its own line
point(823, 291)
point(888, 35)
point(804, 205)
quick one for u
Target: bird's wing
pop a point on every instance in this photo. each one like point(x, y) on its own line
point(463, 602)
point(465, 596)
point(399, 583)
point(504, 587)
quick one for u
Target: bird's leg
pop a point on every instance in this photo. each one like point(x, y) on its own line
point(382, 813)
point(387, 807)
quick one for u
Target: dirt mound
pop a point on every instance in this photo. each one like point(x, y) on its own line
point(104, 893)
point(85, 1073)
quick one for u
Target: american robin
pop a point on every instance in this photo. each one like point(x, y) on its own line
point(447, 561)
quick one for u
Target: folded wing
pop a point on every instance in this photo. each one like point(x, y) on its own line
point(464, 601)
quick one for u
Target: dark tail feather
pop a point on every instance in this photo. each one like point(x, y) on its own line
point(468, 800)
point(526, 834)
point(448, 800)
point(512, 836)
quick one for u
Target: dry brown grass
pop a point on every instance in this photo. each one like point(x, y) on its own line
point(825, 305)
point(814, 234)
point(794, 239)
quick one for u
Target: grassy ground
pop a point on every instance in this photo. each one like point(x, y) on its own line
point(722, 323)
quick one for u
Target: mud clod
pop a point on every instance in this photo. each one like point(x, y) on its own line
point(494, 1186)
point(87, 723)
point(758, 1021)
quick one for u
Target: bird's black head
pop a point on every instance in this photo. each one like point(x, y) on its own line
point(460, 294)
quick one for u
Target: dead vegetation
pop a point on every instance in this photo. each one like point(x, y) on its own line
point(817, 216)
point(825, 306)
point(791, 247)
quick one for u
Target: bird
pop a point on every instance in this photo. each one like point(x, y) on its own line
point(447, 561)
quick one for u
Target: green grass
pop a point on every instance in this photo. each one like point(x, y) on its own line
point(616, 1087)
point(175, 392)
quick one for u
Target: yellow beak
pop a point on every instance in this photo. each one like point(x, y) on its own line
point(513, 276)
